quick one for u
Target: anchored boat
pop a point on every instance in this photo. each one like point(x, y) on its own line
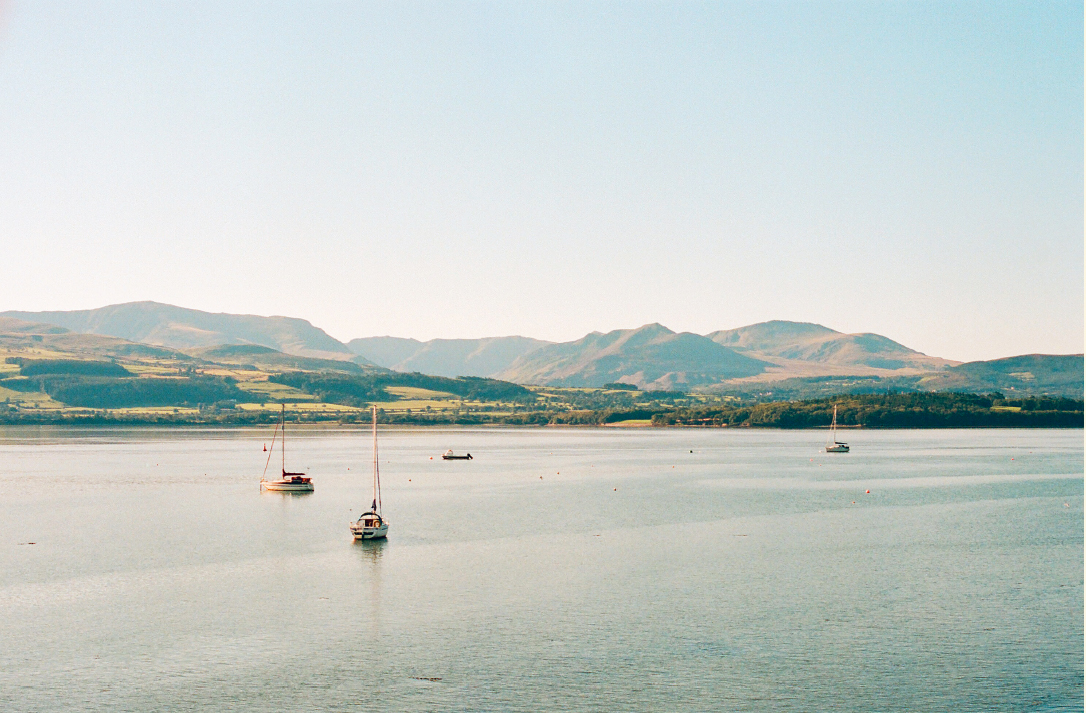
point(370, 525)
point(289, 482)
point(449, 455)
point(835, 446)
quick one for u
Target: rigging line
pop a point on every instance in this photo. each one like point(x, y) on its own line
point(270, 451)
point(376, 464)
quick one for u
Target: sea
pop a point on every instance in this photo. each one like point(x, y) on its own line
point(561, 569)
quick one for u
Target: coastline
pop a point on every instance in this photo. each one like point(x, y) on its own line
point(1061, 420)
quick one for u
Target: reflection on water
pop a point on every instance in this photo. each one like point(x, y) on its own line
point(371, 552)
point(754, 573)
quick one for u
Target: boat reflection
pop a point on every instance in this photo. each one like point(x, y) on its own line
point(287, 494)
point(372, 551)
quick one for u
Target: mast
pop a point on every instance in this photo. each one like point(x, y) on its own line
point(283, 437)
point(834, 424)
point(376, 469)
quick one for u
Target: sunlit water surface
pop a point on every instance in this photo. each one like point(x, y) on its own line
point(581, 570)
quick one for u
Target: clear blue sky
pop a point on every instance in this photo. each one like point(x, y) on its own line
point(548, 169)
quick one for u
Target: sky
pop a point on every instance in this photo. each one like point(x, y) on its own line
point(470, 169)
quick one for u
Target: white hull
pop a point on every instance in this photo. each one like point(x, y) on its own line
point(369, 533)
point(839, 448)
point(286, 486)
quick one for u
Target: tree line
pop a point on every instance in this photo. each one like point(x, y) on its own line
point(350, 390)
point(105, 392)
point(915, 410)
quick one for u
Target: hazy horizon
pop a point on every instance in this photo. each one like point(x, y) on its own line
point(466, 170)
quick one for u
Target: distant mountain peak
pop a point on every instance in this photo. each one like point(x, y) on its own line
point(811, 344)
point(651, 356)
point(773, 331)
point(653, 327)
point(445, 357)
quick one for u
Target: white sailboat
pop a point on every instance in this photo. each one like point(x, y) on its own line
point(834, 445)
point(370, 525)
point(288, 482)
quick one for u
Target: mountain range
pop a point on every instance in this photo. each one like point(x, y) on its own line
point(445, 357)
point(649, 357)
point(785, 343)
point(182, 328)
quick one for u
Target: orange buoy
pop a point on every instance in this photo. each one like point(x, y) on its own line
point(867, 491)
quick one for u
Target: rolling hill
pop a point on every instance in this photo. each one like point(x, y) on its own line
point(1031, 374)
point(22, 336)
point(269, 359)
point(651, 357)
point(445, 357)
point(180, 328)
point(11, 325)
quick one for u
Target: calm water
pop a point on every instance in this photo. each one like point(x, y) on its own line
point(587, 570)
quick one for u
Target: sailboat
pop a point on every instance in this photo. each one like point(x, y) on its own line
point(834, 445)
point(370, 525)
point(289, 482)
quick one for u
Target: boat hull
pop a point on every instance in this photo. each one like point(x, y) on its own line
point(361, 532)
point(456, 457)
point(839, 448)
point(287, 487)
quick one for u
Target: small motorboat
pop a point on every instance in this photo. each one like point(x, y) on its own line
point(370, 525)
point(449, 455)
point(288, 482)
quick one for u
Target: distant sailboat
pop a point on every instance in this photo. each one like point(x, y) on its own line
point(370, 525)
point(289, 482)
point(834, 445)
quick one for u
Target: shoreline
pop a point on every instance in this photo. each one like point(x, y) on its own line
point(849, 412)
point(97, 422)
